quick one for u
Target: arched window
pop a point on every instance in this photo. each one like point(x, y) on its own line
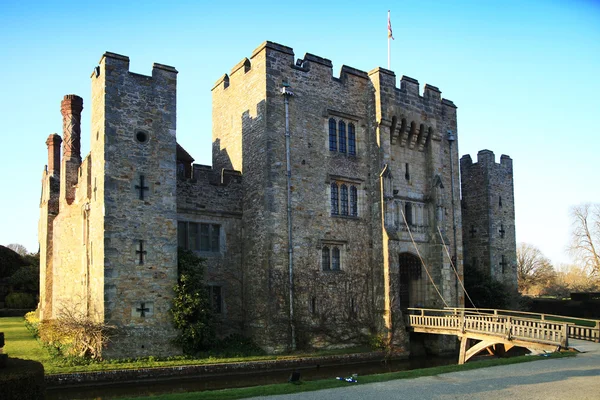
point(353, 201)
point(335, 259)
point(408, 213)
point(351, 140)
point(342, 131)
point(325, 264)
point(344, 199)
point(332, 135)
point(335, 210)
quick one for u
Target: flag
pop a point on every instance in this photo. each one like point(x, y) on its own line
point(390, 36)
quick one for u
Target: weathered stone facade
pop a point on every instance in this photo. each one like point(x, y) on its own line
point(374, 209)
point(488, 206)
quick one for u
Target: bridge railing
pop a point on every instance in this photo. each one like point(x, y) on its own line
point(457, 322)
point(578, 328)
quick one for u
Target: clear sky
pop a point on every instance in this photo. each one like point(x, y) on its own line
point(524, 75)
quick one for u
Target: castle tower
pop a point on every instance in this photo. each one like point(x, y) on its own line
point(361, 149)
point(133, 205)
point(489, 216)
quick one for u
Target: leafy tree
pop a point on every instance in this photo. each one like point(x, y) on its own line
point(533, 269)
point(192, 313)
point(10, 262)
point(585, 237)
point(26, 279)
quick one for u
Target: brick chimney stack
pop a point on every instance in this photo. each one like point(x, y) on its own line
point(53, 142)
point(70, 108)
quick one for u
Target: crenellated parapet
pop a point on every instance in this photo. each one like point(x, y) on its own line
point(414, 119)
point(210, 191)
point(280, 58)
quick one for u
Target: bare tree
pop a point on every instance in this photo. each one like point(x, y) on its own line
point(18, 248)
point(585, 237)
point(533, 268)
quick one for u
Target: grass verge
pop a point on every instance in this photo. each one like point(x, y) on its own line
point(21, 344)
point(288, 388)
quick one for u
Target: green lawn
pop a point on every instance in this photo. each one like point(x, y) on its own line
point(19, 343)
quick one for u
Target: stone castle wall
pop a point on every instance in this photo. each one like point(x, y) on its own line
point(118, 228)
point(136, 139)
point(215, 197)
point(355, 98)
point(489, 214)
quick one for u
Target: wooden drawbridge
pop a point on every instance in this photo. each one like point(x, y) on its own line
point(500, 330)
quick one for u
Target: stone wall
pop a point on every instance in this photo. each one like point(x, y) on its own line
point(215, 197)
point(368, 102)
point(136, 142)
point(489, 216)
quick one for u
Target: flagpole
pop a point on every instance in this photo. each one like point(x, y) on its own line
point(389, 48)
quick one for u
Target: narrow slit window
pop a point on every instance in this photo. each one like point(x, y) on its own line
point(353, 201)
point(342, 135)
point(332, 135)
point(335, 259)
point(344, 199)
point(335, 210)
point(351, 140)
point(406, 172)
point(408, 213)
point(325, 261)
point(499, 201)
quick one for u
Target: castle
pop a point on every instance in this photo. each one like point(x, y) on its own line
point(332, 205)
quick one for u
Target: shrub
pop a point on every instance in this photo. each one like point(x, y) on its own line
point(32, 323)
point(485, 291)
point(20, 300)
point(74, 337)
point(192, 314)
point(236, 345)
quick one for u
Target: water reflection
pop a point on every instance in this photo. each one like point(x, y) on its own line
point(212, 382)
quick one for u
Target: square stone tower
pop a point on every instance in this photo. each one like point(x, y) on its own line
point(108, 238)
point(488, 207)
point(373, 190)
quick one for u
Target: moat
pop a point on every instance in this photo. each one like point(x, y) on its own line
point(199, 383)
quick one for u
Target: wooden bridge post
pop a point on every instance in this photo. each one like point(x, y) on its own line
point(463, 349)
point(565, 336)
point(597, 339)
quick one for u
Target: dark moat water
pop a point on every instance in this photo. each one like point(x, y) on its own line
point(200, 383)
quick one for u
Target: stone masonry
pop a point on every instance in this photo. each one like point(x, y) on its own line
point(488, 207)
point(374, 218)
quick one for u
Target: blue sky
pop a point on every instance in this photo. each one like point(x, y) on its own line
point(524, 75)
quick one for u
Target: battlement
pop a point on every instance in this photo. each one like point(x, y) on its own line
point(118, 63)
point(486, 159)
point(282, 57)
point(386, 79)
point(206, 174)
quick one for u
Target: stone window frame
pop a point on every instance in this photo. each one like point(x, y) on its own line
point(344, 203)
point(327, 249)
point(346, 144)
point(215, 242)
point(419, 214)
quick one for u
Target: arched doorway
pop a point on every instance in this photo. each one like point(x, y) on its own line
point(410, 291)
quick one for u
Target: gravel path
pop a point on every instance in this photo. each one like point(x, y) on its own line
point(565, 378)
